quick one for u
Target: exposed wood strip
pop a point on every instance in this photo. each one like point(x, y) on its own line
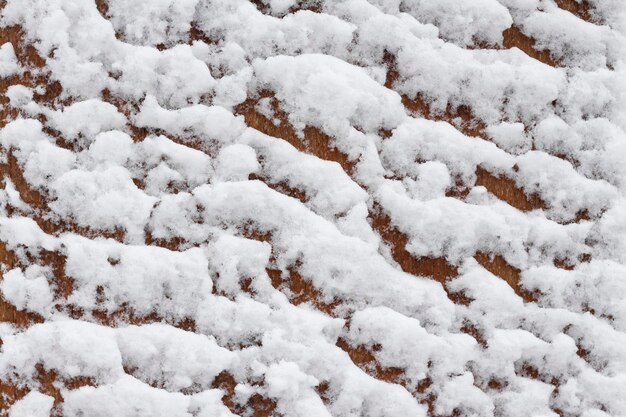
point(365, 359)
point(580, 8)
point(507, 190)
point(497, 265)
point(313, 140)
point(437, 268)
point(257, 406)
point(515, 38)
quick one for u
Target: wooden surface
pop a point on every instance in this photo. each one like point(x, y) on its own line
point(301, 290)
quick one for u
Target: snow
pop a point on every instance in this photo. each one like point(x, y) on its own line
point(590, 46)
point(19, 95)
point(318, 88)
point(8, 61)
point(236, 162)
point(511, 137)
point(73, 348)
point(157, 237)
point(86, 119)
point(214, 123)
point(282, 162)
point(461, 22)
point(152, 22)
point(101, 199)
point(31, 293)
point(33, 404)
point(126, 397)
point(150, 350)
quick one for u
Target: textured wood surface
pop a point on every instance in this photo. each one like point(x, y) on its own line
point(301, 290)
